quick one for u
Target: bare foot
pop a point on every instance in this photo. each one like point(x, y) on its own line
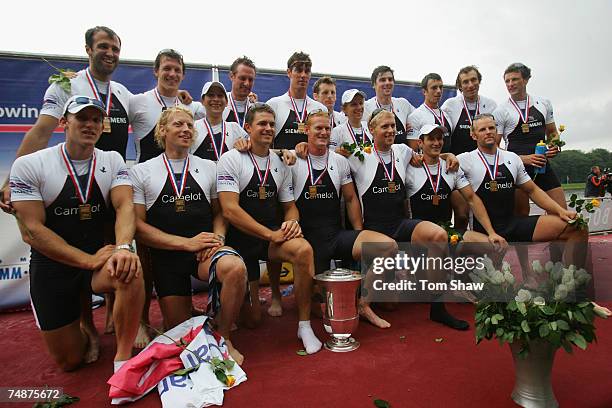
point(238, 358)
point(601, 311)
point(366, 312)
point(276, 308)
point(93, 345)
point(142, 337)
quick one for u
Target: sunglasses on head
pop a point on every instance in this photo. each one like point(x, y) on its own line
point(84, 100)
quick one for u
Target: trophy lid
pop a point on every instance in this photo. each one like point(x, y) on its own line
point(338, 275)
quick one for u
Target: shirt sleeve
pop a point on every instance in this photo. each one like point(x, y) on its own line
point(521, 175)
point(285, 192)
point(550, 117)
point(198, 110)
point(24, 181)
point(460, 180)
point(415, 126)
point(344, 171)
point(500, 121)
point(228, 174)
point(334, 140)
point(137, 178)
point(213, 184)
point(54, 100)
point(121, 175)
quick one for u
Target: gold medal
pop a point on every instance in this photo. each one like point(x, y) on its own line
point(525, 128)
point(107, 125)
point(391, 186)
point(435, 199)
point(179, 205)
point(312, 190)
point(262, 193)
point(301, 127)
point(84, 212)
point(493, 185)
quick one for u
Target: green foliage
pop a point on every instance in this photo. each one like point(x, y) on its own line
point(576, 164)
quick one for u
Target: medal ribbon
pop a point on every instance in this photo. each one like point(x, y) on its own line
point(300, 115)
point(219, 150)
point(262, 181)
point(83, 197)
point(178, 190)
point(352, 133)
point(233, 105)
point(391, 176)
point(314, 182)
point(435, 186)
point(332, 120)
point(440, 117)
point(161, 101)
point(524, 117)
point(468, 111)
point(96, 92)
point(487, 166)
point(378, 105)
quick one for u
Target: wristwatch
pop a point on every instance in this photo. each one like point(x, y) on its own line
point(129, 247)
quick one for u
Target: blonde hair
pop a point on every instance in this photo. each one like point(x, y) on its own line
point(376, 116)
point(316, 114)
point(163, 121)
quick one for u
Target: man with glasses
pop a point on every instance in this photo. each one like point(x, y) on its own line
point(103, 46)
point(291, 108)
point(383, 82)
point(146, 108)
point(62, 195)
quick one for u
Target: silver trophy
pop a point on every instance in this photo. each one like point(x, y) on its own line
point(341, 292)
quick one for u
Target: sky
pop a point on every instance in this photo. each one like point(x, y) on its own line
point(565, 43)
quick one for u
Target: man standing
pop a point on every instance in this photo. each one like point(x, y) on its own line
point(523, 121)
point(596, 183)
point(103, 47)
point(324, 91)
point(62, 195)
point(383, 82)
point(354, 130)
point(291, 108)
point(146, 108)
point(250, 186)
point(462, 108)
point(429, 113)
point(242, 74)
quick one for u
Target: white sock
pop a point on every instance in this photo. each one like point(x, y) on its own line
point(118, 364)
point(309, 339)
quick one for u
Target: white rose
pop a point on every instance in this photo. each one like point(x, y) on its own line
point(560, 292)
point(508, 277)
point(568, 276)
point(497, 277)
point(571, 285)
point(549, 266)
point(537, 266)
point(539, 301)
point(488, 263)
point(506, 267)
point(523, 295)
point(475, 278)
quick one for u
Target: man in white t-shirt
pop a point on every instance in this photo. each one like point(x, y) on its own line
point(324, 91)
point(291, 108)
point(62, 196)
point(383, 82)
point(250, 186)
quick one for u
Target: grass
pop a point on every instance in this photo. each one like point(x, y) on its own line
point(573, 186)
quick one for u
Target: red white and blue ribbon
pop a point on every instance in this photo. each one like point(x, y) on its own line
point(440, 118)
point(524, 116)
point(390, 176)
point(262, 180)
point(352, 133)
point(96, 92)
point(235, 110)
point(467, 111)
point(300, 115)
point(493, 174)
point(218, 150)
point(435, 186)
point(82, 195)
point(178, 189)
point(161, 100)
point(314, 182)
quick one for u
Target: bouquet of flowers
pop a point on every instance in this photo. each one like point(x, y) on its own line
point(357, 149)
point(454, 236)
point(580, 222)
point(556, 142)
point(556, 311)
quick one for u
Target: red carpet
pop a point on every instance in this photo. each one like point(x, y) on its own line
point(403, 365)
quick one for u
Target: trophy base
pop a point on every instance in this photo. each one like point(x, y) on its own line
point(342, 345)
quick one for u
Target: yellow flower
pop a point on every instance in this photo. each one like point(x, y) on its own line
point(367, 149)
point(561, 128)
point(595, 202)
point(231, 380)
point(454, 239)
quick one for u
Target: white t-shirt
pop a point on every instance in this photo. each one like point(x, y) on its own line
point(281, 105)
point(342, 134)
point(233, 132)
point(475, 171)
point(453, 108)
point(337, 168)
point(401, 107)
point(235, 170)
point(507, 117)
point(417, 178)
point(422, 116)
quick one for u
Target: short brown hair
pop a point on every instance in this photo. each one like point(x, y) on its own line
point(323, 80)
point(465, 70)
point(299, 57)
point(163, 121)
point(257, 108)
point(244, 60)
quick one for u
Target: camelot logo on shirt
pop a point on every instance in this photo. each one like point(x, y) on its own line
point(255, 194)
point(66, 211)
point(429, 197)
point(382, 190)
point(170, 198)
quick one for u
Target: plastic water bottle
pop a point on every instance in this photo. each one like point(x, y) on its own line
point(541, 148)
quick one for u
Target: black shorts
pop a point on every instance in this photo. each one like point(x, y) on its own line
point(326, 247)
point(251, 249)
point(55, 290)
point(404, 230)
point(519, 229)
point(547, 180)
point(172, 272)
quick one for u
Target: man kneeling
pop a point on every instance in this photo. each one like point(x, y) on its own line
point(62, 196)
